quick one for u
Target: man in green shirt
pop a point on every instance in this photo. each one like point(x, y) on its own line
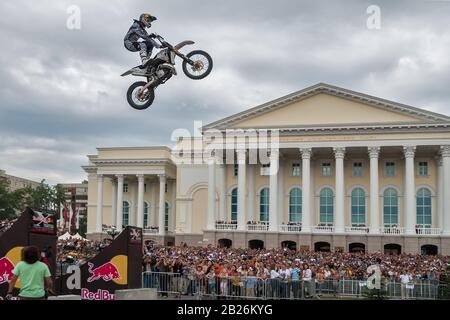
point(34, 276)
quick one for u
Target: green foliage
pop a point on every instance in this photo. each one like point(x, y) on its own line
point(43, 197)
point(59, 198)
point(83, 226)
point(10, 202)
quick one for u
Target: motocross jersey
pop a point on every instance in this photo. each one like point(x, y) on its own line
point(136, 32)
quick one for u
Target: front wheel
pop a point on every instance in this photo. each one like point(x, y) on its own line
point(140, 100)
point(201, 67)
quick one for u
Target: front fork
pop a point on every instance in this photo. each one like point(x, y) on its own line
point(153, 83)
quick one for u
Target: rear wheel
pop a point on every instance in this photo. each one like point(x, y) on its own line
point(201, 67)
point(140, 100)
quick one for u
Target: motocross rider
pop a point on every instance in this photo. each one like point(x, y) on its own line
point(137, 38)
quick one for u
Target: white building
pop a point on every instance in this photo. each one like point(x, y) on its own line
point(355, 172)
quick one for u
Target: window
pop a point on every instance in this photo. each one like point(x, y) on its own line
point(126, 212)
point(145, 214)
point(423, 207)
point(145, 187)
point(326, 169)
point(234, 204)
point(165, 188)
point(358, 208)
point(390, 169)
point(423, 168)
point(326, 207)
point(296, 169)
point(264, 205)
point(357, 169)
point(295, 205)
point(390, 207)
point(125, 187)
point(236, 170)
point(166, 218)
point(265, 169)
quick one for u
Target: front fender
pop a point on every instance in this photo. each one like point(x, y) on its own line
point(182, 44)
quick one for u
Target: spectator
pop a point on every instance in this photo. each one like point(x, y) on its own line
point(34, 276)
point(405, 280)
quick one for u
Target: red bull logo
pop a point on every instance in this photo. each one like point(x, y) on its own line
point(107, 272)
point(6, 268)
point(99, 295)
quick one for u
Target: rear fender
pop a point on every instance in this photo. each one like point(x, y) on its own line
point(126, 73)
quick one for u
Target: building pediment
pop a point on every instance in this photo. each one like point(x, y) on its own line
point(325, 106)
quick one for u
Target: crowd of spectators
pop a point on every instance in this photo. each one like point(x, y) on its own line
point(264, 262)
point(76, 252)
point(6, 224)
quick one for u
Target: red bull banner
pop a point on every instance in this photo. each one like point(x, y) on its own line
point(32, 228)
point(118, 266)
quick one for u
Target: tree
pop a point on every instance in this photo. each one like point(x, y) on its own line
point(60, 198)
point(10, 202)
point(44, 197)
point(83, 226)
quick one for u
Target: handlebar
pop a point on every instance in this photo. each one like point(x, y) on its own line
point(162, 41)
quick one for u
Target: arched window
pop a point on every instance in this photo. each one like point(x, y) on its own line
point(390, 207)
point(264, 205)
point(295, 205)
point(145, 214)
point(126, 212)
point(234, 204)
point(358, 208)
point(423, 205)
point(166, 218)
point(326, 207)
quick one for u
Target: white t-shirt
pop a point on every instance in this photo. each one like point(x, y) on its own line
point(307, 275)
point(274, 274)
point(405, 278)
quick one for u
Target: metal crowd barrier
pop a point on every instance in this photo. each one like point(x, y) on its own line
point(258, 288)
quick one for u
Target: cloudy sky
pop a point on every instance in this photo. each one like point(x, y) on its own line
point(61, 95)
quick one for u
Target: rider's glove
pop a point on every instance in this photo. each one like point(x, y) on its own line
point(152, 35)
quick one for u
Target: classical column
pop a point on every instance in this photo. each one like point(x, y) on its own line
point(439, 193)
point(114, 201)
point(374, 153)
point(445, 151)
point(251, 192)
point(222, 191)
point(241, 157)
point(273, 193)
point(162, 203)
point(306, 189)
point(119, 218)
point(281, 213)
point(339, 154)
point(173, 214)
point(153, 205)
point(409, 205)
point(98, 227)
point(140, 204)
point(211, 193)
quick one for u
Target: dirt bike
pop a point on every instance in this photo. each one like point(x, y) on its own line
point(196, 65)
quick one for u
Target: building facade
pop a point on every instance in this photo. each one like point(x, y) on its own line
point(76, 196)
point(16, 183)
point(350, 172)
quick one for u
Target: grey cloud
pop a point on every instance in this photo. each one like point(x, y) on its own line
point(62, 96)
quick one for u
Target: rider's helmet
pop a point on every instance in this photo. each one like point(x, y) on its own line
point(146, 19)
